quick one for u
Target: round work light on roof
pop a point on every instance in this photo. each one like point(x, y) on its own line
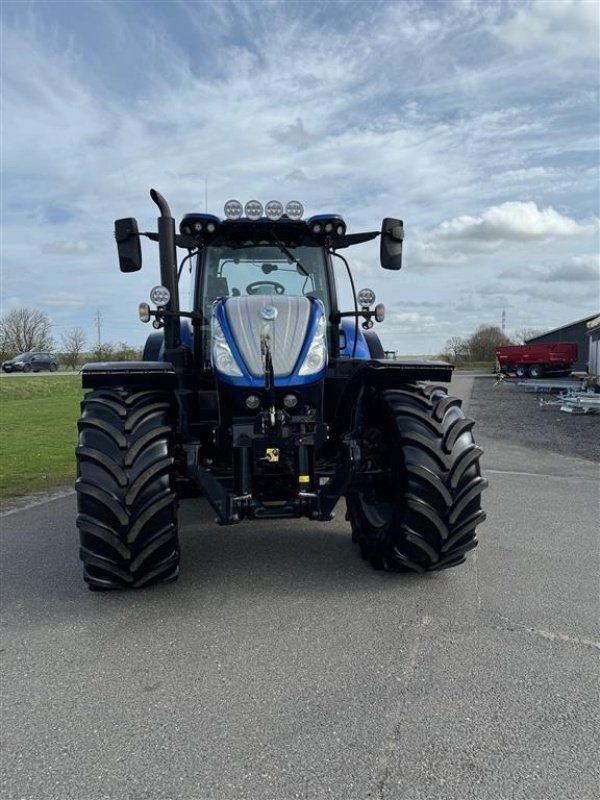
point(317, 227)
point(233, 209)
point(198, 227)
point(211, 227)
point(253, 210)
point(273, 210)
point(294, 209)
point(160, 295)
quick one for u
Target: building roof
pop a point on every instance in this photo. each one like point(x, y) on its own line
point(585, 320)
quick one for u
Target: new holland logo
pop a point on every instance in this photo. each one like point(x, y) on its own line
point(269, 312)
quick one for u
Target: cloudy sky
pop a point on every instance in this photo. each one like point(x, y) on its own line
point(475, 122)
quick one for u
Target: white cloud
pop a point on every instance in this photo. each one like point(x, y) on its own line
point(576, 269)
point(410, 320)
point(568, 28)
point(511, 223)
point(66, 248)
point(65, 299)
point(537, 291)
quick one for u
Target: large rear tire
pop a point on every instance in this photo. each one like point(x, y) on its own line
point(421, 511)
point(127, 507)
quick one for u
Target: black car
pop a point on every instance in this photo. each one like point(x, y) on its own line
point(31, 362)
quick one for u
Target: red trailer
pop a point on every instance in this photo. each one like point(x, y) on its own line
point(535, 360)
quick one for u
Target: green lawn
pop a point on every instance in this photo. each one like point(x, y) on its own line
point(38, 432)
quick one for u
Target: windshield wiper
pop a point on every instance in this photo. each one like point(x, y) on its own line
point(287, 252)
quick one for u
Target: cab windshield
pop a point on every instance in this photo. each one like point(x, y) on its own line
point(263, 269)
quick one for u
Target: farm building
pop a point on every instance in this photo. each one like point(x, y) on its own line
point(574, 332)
point(593, 330)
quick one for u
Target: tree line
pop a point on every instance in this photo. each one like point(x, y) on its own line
point(481, 345)
point(26, 330)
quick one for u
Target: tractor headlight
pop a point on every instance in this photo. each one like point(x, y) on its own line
point(317, 352)
point(222, 357)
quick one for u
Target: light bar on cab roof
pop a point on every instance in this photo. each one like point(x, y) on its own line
point(273, 210)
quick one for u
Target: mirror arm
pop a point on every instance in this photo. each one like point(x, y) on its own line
point(186, 242)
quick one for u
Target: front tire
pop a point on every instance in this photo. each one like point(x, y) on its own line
point(127, 509)
point(421, 511)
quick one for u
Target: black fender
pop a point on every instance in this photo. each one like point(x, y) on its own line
point(379, 376)
point(142, 374)
point(374, 344)
point(154, 344)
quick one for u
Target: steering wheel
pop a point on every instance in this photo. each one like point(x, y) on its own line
point(255, 288)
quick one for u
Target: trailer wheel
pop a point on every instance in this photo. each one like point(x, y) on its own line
point(421, 500)
point(127, 510)
point(536, 371)
point(521, 371)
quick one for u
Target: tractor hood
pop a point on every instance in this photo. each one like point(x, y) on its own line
point(246, 331)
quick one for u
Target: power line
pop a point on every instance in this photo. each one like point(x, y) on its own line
point(98, 321)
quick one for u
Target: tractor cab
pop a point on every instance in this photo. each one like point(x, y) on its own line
point(258, 286)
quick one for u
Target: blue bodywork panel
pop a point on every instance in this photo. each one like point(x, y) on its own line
point(248, 380)
point(347, 325)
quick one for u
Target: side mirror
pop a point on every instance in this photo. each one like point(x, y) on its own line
point(128, 244)
point(392, 236)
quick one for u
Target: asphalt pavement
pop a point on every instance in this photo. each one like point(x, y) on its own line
point(281, 666)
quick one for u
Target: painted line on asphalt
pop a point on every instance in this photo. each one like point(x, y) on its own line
point(553, 636)
point(538, 475)
point(35, 503)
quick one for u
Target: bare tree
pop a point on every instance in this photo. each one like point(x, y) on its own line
point(25, 329)
point(73, 342)
point(456, 349)
point(485, 340)
point(107, 351)
point(523, 334)
point(103, 352)
point(126, 352)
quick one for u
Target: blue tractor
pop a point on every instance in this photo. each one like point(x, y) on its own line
point(269, 401)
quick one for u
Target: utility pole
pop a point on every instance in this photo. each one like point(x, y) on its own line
point(98, 321)
point(503, 320)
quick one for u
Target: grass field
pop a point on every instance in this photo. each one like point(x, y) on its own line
point(38, 432)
